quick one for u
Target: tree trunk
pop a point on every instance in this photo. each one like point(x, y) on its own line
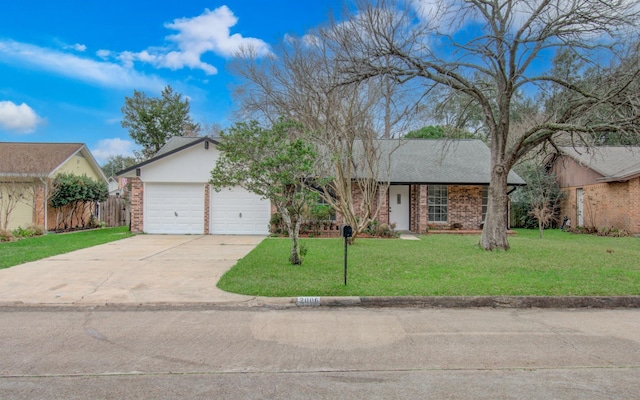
point(294, 231)
point(540, 228)
point(494, 232)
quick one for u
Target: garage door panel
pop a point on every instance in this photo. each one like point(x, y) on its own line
point(174, 208)
point(237, 211)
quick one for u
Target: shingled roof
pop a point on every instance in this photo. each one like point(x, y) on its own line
point(461, 162)
point(35, 159)
point(614, 163)
point(435, 161)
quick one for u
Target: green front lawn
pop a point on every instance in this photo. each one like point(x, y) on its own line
point(444, 265)
point(31, 249)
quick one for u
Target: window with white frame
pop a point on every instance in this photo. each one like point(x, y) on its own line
point(437, 198)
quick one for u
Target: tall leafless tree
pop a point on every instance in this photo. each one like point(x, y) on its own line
point(492, 50)
point(345, 122)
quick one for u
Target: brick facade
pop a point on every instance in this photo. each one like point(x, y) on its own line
point(137, 200)
point(605, 205)
point(464, 208)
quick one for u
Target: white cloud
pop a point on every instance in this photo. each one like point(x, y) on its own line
point(18, 118)
point(112, 147)
point(79, 47)
point(85, 69)
point(104, 54)
point(208, 32)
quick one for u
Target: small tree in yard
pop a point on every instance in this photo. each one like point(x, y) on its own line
point(74, 197)
point(541, 194)
point(272, 164)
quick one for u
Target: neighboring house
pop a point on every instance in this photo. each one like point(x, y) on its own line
point(114, 189)
point(32, 166)
point(434, 184)
point(116, 185)
point(601, 186)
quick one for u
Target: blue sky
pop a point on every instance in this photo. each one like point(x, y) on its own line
point(66, 67)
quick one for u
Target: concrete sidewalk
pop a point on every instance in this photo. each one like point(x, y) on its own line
point(138, 270)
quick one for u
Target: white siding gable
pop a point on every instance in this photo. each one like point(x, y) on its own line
point(191, 165)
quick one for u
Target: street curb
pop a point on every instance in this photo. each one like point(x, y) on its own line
point(279, 303)
point(490, 302)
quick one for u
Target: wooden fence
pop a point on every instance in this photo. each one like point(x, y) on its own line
point(115, 212)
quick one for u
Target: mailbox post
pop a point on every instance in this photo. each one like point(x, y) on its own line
point(346, 232)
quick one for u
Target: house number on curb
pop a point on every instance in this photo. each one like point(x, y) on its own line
point(308, 301)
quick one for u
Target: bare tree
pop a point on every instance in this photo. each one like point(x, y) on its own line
point(504, 54)
point(345, 122)
point(16, 188)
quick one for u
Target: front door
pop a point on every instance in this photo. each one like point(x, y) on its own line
point(399, 206)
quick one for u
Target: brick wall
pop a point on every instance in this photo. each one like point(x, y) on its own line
point(383, 200)
point(419, 208)
point(465, 206)
point(137, 200)
point(634, 205)
point(606, 205)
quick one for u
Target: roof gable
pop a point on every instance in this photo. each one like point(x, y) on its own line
point(35, 159)
point(612, 162)
point(42, 159)
point(172, 146)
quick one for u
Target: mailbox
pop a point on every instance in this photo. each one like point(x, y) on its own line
point(346, 231)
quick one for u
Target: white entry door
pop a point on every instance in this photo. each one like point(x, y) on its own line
point(580, 201)
point(399, 206)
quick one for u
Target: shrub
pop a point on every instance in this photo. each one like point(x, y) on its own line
point(5, 236)
point(29, 231)
point(375, 228)
point(605, 231)
point(277, 225)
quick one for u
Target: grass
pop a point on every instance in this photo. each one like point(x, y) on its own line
point(36, 248)
point(560, 264)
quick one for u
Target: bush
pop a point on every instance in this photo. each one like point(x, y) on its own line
point(29, 231)
point(277, 226)
point(375, 228)
point(5, 236)
point(605, 231)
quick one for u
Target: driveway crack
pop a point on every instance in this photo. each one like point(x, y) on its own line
point(95, 289)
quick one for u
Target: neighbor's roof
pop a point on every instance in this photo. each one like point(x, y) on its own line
point(442, 161)
point(35, 159)
point(612, 162)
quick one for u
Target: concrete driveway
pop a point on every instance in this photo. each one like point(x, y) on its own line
point(136, 270)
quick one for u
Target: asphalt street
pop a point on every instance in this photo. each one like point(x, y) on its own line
point(306, 353)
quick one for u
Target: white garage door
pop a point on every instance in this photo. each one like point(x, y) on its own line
point(174, 208)
point(239, 212)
